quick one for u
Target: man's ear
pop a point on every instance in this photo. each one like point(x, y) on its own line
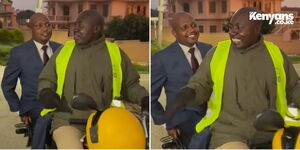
point(98, 29)
point(174, 33)
point(258, 27)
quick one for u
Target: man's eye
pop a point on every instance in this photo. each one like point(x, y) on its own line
point(193, 25)
point(185, 27)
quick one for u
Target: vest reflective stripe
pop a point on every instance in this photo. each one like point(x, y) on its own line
point(46, 111)
point(62, 61)
point(278, 61)
point(115, 56)
point(217, 69)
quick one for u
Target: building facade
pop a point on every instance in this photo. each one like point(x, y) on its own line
point(211, 14)
point(62, 13)
point(7, 14)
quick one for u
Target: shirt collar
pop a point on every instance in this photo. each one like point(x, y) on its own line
point(39, 45)
point(186, 48)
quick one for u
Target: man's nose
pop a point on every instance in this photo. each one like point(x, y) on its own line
point(46, 27)
point(234, 30)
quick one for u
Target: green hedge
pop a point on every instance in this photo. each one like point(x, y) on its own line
point(8, 40)
point(11, 36)
point(142, 68)
point(294, 59)
point(155, 48)
point(4, 52)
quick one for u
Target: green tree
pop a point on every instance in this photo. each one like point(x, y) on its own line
point(5, 36)
point(9, 37)
point(266, 28)
point(132, 27)
point(23, 15)
point(17, 36)
point(115, 29)
point(154, 13)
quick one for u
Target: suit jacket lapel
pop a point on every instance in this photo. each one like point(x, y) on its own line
point(34, 51)
point(200, 49)
point(53, 47)
point(180, 56)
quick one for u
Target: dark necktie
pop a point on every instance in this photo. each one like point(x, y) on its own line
point(194, 61)
point(45, 56)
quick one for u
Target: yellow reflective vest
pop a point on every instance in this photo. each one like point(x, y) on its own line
point(62, 61)
point(217, 69)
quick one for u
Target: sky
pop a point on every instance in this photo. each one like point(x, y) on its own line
point(31, 4)
point(24, 4)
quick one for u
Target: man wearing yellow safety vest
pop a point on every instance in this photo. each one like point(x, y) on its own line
point(239, 78)
point(87, 65)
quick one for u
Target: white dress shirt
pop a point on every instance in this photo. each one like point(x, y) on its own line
point(188, 55)
point(41, 52)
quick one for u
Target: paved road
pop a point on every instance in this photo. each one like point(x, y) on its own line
point(8, 138)
point(159, 131)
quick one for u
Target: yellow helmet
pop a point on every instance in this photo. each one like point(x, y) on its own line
point(117, 128)
point(286, 138)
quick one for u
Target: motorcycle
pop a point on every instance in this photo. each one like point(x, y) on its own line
point(22, 128)
point(171, 143)
point(113, 133)
point(284, 137)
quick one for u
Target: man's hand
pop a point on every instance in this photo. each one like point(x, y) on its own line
point(25, 119)
point(50, 99)
point(174, 133)
point(183, 97)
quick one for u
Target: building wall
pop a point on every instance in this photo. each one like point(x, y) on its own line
point(207, 18)
point(7, 14)
point(118, 8)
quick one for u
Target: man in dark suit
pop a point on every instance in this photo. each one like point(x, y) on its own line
point(26, 61)
point(172, 68)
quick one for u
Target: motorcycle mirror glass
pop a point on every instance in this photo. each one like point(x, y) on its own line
point(83, 101)
point(268, 120)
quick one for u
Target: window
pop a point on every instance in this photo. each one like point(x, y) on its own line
point(174, 8)
point(93, 6)
point(105, 10)
point(212, 29)
point(53, 11)
point(66, 12)
point(80, 8)
point(224, 6)
point(212, 6)
point(186, 7)
point(138, 9)
point(200, 7)
point(201, 28)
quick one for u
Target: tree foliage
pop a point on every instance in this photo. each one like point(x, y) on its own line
point(8, 36)
point(131, 27)
point(23, 15)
